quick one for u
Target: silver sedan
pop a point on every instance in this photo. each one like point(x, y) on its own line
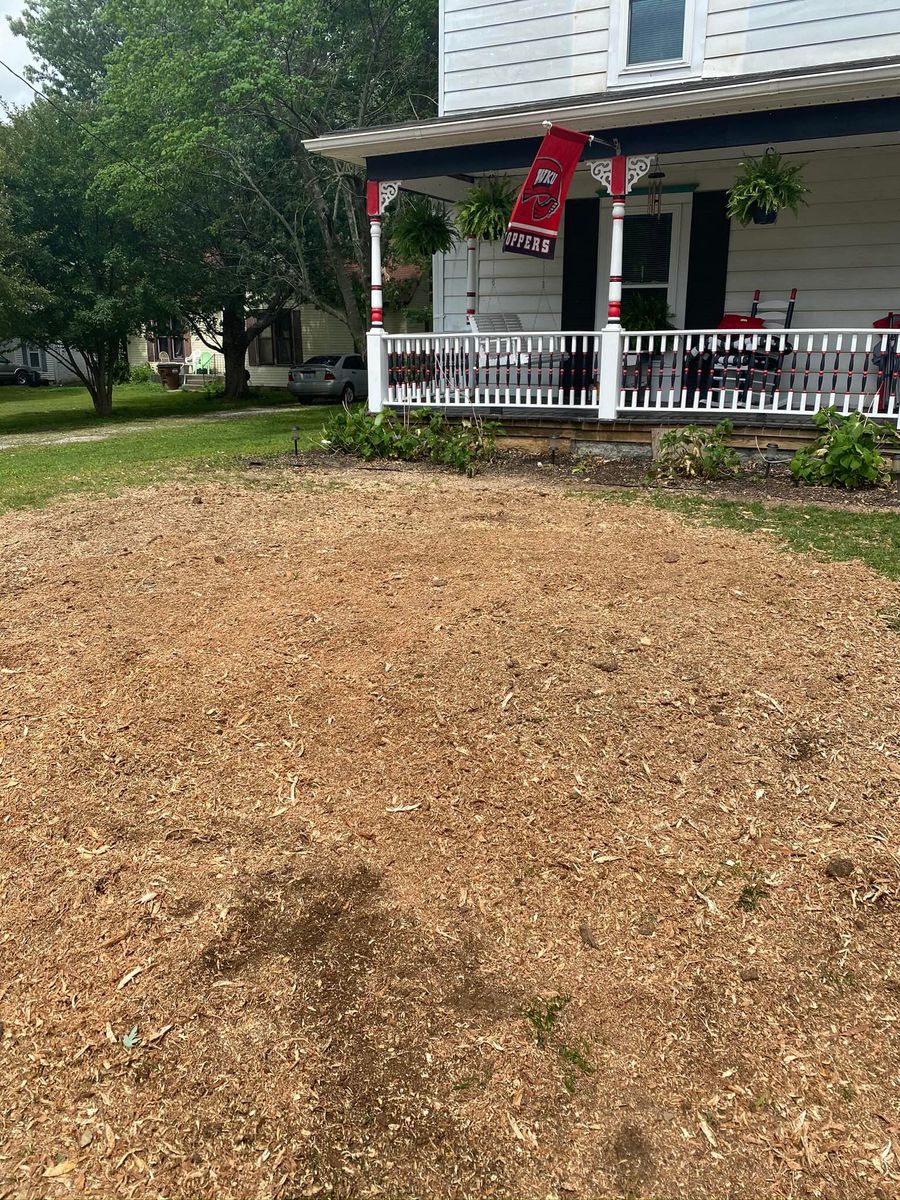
point(330, 376)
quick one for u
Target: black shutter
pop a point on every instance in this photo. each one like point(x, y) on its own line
point(252, 349)
point(707, 261)
point(581, 235)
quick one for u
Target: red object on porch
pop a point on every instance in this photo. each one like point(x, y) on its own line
point(887, 361)
point(534, 225)
point(739, 321)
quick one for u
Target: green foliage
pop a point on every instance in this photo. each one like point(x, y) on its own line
point(142, 373)
point(542, 1016)
point(696, 452)
point(768, 184)
point(486, 210)
point(752, 893)
point(425, 436)
point(419, 229)
point(96, 277)
point(642, 311)
point(847, 452)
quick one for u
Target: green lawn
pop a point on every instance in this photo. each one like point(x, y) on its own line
point(33, 475)
point(835, 533)
point(63, 410)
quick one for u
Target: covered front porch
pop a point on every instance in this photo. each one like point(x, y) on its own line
point(515, 335)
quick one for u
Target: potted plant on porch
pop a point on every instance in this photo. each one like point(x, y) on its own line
point(764, 187)
point(485, 212)
point(643, 312)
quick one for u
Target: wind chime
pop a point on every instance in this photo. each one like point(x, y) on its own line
point(654, 188)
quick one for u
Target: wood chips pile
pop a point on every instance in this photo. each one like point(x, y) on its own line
point(308, 793)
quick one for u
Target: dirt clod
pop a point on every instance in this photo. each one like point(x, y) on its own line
point(840, 868)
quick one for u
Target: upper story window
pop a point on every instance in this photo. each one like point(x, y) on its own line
point(655, 31)
point(655, 41)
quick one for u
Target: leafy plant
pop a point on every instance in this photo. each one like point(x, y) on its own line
point(696, 452)
point(847, 452)
point(427, 436)
point(766, 185)
point(752, 893)
point(542, 1015)
point(142, 373)
point(643, 311)
point(486, 210)
point(420, 229)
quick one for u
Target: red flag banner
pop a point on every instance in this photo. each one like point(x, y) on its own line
point(534, 225)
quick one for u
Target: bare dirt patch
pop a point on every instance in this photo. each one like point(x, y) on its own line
point(395, 834)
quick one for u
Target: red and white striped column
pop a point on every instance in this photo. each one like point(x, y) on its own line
point(471, 277)
point(379, 194)
point(618, 176)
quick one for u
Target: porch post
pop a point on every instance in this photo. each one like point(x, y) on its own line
point(618, 176)
point(471, 277)
point(379, 194)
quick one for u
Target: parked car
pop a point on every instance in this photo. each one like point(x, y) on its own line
point(11, 372)
point(330, 376)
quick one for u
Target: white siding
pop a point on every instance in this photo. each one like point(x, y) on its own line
point(842, 252)
point(753, 36)
point(514, 51)
point(509, 283)
point(505, 52)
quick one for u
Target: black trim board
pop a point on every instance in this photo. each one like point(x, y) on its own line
point(707, 261)
point(666, 137)
point(581, 236)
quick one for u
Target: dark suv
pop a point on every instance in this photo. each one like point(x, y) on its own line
point(11, 372)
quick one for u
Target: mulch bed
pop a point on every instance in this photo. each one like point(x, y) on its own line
point(311, 792)
point(752, 484)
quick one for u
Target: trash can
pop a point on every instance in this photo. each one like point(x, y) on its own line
point(170, 374)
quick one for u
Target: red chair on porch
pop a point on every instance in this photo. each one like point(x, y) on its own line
point(756, 355)
point(887, 360)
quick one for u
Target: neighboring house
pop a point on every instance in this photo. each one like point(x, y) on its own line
point(35, 359)
point(701, 84)
point(293, 336)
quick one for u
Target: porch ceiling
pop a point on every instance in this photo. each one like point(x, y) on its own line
point(864, 98)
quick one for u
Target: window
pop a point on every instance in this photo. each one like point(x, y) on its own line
point(655, 41)
point(654, 258)
point(354, 363)
point(167, 341)
point(275, 345)
point(655, 31)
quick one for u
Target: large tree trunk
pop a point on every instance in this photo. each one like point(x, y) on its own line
point(234, 348)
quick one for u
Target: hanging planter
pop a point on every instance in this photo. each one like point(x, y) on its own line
point(420, 229)
point(764, 187)
point(485, 212)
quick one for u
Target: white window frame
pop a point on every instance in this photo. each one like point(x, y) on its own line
point(680, 205)
point(688, 66)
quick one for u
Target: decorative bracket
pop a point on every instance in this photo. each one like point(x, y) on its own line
point(380, 193)
point(619, 175)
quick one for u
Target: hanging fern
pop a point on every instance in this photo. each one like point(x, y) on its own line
point(486, 210)
point(766, 185)
point(420, 229)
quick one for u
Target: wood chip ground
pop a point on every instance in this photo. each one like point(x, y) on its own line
point(309, 791)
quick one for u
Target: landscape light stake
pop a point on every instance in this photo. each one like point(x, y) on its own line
point(295, 432)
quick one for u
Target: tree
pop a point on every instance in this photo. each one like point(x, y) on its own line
point(91, 278)
point(242, 84)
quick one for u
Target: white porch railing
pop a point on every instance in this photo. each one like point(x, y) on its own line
point(782, 372)
point(527, 370)
point(792, 372)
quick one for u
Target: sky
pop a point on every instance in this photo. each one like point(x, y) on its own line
point(13, 51)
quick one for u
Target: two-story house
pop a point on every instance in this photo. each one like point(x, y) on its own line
point(684, 91)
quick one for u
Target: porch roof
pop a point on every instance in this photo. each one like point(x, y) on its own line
point(862, 98)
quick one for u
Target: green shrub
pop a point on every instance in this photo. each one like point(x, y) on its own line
point(142, 373)
point(846, 453)
point(420, 436)
point(696, 452)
